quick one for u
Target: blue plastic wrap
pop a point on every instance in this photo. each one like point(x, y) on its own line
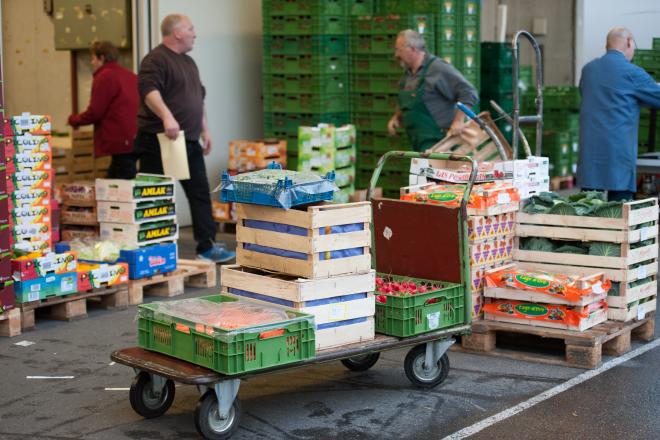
point(287, 303)
point(297, 230)
point(277, 187)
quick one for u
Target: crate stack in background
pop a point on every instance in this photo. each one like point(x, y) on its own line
point(305, 66)
point(326, 148)
point(74, 159)
point(375, 76)
point(561, 129)
point(497, 82)
point(649, 60)
point(78, 217)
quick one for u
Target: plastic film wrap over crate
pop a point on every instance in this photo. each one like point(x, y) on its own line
point(222, 320)
point(277, 187)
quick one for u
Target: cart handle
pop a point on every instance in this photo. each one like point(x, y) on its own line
point(430, 156)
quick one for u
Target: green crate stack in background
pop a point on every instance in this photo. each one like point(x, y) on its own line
point(561, 127)
point(649, 60)
point(375, 76)
point(326, 148)
point(305, 65)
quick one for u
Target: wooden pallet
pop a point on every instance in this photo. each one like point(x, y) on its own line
point(74, 306)
point(581, 349)
point(190, 273)
point(10, 323)
point(563, 182)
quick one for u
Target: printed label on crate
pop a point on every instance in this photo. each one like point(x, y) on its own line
point(30, 198)
point(42, 243)
point(94, 276)
point(31, 215)
point(29, 231)
point(159, 232)
point(147, 192)
point(27, 143)
point(491, 226)
point(32, 161)
point(31, 180)
point(30, 268)
point(27, 123)
point(153, 212)
point(143, 187)
point(568, 315)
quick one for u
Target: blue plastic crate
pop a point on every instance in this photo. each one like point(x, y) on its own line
point(277, 187)
point(151, 260)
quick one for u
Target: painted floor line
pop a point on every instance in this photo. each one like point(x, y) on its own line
point(487, 422)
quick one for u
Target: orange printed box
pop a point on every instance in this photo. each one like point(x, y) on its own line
point(28, 124)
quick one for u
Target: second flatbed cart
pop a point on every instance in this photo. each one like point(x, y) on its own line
point(418, 240)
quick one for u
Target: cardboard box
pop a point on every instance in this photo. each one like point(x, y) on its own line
point(525, 168)
point(31, 215)
point(41, 244)
point(30, 232)
point(44, 287)
point(30, 180)
point(221, 211)
point(27, 144)
point(30, 198)
point(78, 215)
point(30, 268)
point(491, 226)
point(30, 161)
point(94, 276)
point(143, 188)
point(150, 260)
point(5, 266)
point(134, 212)
point(72, 232)
point(142, 234)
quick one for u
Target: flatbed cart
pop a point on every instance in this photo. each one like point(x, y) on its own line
point(218, 411)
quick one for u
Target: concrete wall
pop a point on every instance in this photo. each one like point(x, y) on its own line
point(557, 45)
point(596, 17)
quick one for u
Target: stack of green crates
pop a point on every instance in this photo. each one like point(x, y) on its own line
point(375, 76)
point(305, 65)
point(561, 127)
point(649, 60)
point(497, 81)
point(326, 148)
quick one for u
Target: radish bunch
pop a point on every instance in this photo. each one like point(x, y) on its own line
point(388, 286)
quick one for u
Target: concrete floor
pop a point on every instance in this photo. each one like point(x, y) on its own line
point(318, 402)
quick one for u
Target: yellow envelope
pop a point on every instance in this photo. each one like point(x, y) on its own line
point(174, 156)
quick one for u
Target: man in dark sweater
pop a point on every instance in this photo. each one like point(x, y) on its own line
point(428, 92)
point(172, 99)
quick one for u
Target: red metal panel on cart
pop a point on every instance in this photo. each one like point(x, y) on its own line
point(417, 240)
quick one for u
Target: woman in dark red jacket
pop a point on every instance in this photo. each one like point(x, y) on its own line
point(113, 110)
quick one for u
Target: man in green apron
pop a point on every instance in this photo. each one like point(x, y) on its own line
point(428, 92)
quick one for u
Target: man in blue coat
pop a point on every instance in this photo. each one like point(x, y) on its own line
point(613, 89)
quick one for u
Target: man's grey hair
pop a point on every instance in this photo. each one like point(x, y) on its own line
point(616, 36)
point(170, 23)
point(413, 39)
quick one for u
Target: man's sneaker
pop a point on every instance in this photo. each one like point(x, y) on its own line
point(217, 254)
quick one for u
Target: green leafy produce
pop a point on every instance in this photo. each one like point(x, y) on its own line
point(604, 249)
point(532, 208)
point(587, 195)
point(569, 249)
point(640, 244)
point(582, 208)
point(609, 210)
point(562, 208)
point(614, 290)
point(536, 244)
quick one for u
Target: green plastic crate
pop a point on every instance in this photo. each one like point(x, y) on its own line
point(369, 159)
point(561, 168)
point(468, 33)
point(305, 64)
point(405, 6)
point(304, 7)
point(561, 97)
point(361, 83)
point(225, 351)
point(468, 62)
point(392, 24)
point(381, 141)
point(470, 7)
point(376, 103)
point(322, 84)
point(305, 25)
point(288, 123)
point(446, 33)
point(447, 20)
point(305, 45)
point(371, 121)
point(561, 120)
point(373, 44)
point(656, 44)
point(360, 7)
point(404, 316)
point(375, 64)
point(495, 55)
point(305, 103)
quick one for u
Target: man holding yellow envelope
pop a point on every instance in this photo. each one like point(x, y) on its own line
point(172, 104)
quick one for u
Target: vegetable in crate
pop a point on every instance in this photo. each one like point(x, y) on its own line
point(277, 187)
point(403, 287)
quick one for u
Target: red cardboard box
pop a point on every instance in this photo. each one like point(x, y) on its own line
point(31, 268)
point(7, 296)
point(93, 276)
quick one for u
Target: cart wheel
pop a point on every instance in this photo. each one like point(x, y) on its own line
point(361, 363)
point(145, 402)
point(414, 367)
point(208, 421)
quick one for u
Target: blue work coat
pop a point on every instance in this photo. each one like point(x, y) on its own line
point(612, 89)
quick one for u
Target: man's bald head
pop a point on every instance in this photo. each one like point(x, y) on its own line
point(621, 39)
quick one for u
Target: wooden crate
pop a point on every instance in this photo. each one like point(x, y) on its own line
point(581, 349)
point(345, 334)
point(292, 288)
point(10, 323)
point(592, 320)
point(617, 230)
point(191, 273)
point(313, 245)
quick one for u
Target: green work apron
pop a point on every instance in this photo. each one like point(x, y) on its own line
point(423, 132)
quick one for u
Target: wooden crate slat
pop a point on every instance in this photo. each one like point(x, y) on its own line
point(631, 294)
point(629, 314)
point(526, 295)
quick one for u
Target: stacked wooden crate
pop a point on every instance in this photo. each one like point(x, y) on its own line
point(78, 210)
point(633, 273)
point(315, 260)
point(74, 160)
